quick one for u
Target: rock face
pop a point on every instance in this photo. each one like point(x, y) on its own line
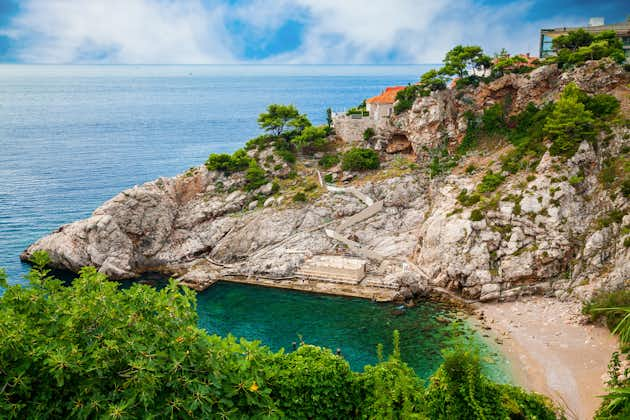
point(543, 234)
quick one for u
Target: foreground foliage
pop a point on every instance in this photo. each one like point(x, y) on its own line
point(92, 350)
point(614, 308)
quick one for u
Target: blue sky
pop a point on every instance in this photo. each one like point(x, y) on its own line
point(278, 31)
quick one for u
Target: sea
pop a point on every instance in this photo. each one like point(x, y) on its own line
point(72, 137)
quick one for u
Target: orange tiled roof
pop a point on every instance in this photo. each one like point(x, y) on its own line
point(387, 97)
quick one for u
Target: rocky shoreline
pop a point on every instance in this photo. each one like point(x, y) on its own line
point(540, 231)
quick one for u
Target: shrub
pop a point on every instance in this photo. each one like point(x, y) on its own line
point(299, 197)
point(227, 164)
point(470, 169)
point(275, 187)
point(476, 215)
point(368, 133)
point(405, 98)
point(311, 139)
point(255, 176)
point(312, 382)
point(602, 300)
point(90, 349)
point(490, 182)
point(468, 200)
point(626, 241)
point(260, 142)
point(458, 390)
point(328, 161)
point(493, 119)
point(357, 159)
point(219, 162)
point(625, 187)
point(613, 216)
point(328, 178)
point(286, 155)
point(602, 105)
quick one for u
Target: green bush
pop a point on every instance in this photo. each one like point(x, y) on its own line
point(358, 159)
point(458, 390)
point(312, 382)
point(368, 133)
point(299, 197)
point(476, 215)
point(227, 164)
point(328, 161)
point(391, 389)
point(328, 178)
point(602, 300)
point(493, 119)
point(286, 155)
point(602, 105)
point(90, 349)
point(405, 98)
point(467, 200)
point(490, 182)
point(311, 139)
point(625, 187)
point(569, 124)
point(255, 176)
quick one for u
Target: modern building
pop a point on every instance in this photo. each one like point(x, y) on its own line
point(382, 106)
point(595, 26)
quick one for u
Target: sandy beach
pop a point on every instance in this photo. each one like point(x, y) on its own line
point(553, 351)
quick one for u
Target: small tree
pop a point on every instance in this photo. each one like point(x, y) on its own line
point(329, 119)
point(277, 117)
point(461, 59)
point(569, 123)
point(300, 122)
point(312, 138)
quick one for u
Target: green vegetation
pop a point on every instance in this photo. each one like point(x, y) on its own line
point(277, 118)
point(576, 47)
point(569, 124)
point(300, 197)
point(227, 164)
point(358, 159)
point(311, 139)
point(462, 61)
point(476, 215)
point(328, 161)
point(92, 350)
point(368, 133)
point(255, 176)
point(614, 308)
point(490, 182)
point(467, 200)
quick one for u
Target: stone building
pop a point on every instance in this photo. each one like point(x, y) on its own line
point(382, 106)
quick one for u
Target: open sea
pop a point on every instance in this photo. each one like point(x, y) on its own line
point(72, 137)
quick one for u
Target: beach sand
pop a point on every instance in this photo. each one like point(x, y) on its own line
point(553, 351)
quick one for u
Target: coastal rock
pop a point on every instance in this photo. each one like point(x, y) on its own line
point(540, 233)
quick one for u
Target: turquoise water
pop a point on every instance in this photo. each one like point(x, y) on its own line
point(72, 137)
point(279, 318)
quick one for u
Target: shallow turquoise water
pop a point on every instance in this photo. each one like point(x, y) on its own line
point(279, 318)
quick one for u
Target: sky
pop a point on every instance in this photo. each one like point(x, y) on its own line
point(279, 31)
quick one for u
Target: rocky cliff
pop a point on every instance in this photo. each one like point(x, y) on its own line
point(554, 230)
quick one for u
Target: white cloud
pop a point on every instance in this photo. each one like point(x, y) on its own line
point(335, 31)
point(120, 31)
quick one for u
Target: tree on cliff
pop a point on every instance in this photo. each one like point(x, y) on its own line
point(277, 118)
point(461, 60)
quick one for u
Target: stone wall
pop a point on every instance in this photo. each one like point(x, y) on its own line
point(349, 129)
